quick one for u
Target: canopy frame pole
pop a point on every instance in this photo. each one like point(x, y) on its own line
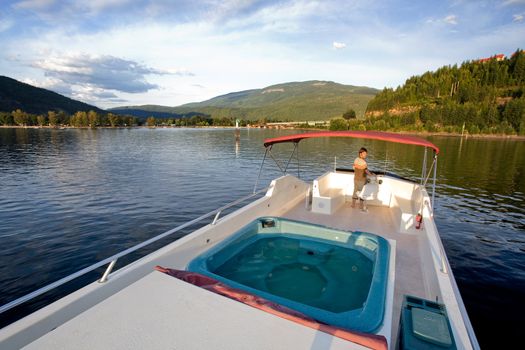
point(276, 160)
point(424, 167)
point(298, 162)
point(260, 169)
point(291, 156)
point(430, 171)
point(386, 161)
point(434, 181)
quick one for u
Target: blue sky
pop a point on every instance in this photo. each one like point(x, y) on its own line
point(169, 52)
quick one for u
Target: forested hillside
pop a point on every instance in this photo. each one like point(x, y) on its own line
point(17, 95)
point(26, 105)
point(485, 96)
point(309, 100)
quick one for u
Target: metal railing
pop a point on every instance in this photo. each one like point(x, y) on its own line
point(442, 255)
point(113, 259)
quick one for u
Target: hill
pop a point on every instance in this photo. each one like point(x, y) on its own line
point(309, 100)
point(482, 96)
point(17, 95)
point(145, 111)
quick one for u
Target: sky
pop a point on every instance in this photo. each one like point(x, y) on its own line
point(113, 53)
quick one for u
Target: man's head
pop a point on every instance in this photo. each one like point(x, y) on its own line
point(363, 152)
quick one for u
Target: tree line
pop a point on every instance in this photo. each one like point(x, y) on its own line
point(204, 120)
point(93, 119)
point(483, 96)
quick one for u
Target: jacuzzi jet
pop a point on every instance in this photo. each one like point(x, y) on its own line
point(265, 223)
point(310, 252)
point(354, 268)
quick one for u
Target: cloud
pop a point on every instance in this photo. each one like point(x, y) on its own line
point(451, 19)
point(104, 72)
point(92, 6)
point(513, 2)
point(273, 16)
point(52, 84)
point(337, 45)
point(94, 95)
point(5, 24)
point(34, 5)
point(96, 6)
point(518, 17)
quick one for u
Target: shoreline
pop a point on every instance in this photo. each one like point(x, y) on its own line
point(423, 134)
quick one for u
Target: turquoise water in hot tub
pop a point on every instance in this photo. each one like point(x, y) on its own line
point(336, 277)
point(311, 274)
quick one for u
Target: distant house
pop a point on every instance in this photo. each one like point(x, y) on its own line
point(498, 57)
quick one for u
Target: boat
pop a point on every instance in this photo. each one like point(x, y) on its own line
point(297, 267)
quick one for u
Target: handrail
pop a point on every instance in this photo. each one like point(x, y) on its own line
point(443, 262)
point(112, 259)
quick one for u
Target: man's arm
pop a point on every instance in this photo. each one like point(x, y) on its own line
point(360, 164)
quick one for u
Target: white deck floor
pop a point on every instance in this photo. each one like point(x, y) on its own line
point(161, 312)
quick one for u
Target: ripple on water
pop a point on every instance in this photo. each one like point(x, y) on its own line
point(69, 198)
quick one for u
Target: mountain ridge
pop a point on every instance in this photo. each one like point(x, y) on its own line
point(15, 95)
point(308, 100)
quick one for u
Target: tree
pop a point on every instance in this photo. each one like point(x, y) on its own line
point(79, 119)
point(41, 120)
point(113, 119)
point(151, 121)
point(52, 117)
point(93, 118)
point(349, 114)
point(338, 124)
point(7, 119)
point(517, 66)
point(514, 113)
point(62, 117)
point(20, 117)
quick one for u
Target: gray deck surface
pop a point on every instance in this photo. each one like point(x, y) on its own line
point(162, 312)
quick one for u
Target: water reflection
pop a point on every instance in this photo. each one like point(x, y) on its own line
point(237, 142)
point(72, 197)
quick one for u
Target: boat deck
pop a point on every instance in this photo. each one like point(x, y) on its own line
point(378, 220)
point(162, 312)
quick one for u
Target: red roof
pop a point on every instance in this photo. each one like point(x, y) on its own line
point(374, 135)
point(498, 57)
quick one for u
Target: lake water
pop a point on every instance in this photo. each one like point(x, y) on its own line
point(69, 198)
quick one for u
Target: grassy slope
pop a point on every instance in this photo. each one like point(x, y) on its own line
point(310, 100)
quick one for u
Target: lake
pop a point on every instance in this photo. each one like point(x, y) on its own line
point(70, 198)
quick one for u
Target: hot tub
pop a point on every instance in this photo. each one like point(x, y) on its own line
point(336, 277)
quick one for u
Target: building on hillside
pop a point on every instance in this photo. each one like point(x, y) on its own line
point(498, 57)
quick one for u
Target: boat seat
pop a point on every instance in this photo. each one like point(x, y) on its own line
point(405, 215)
point(327, 198)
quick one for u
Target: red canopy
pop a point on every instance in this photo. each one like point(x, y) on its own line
point(374, 135)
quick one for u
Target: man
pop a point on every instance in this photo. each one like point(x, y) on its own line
point(360, 172)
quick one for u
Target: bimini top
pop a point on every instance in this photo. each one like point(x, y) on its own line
point(374, 135)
